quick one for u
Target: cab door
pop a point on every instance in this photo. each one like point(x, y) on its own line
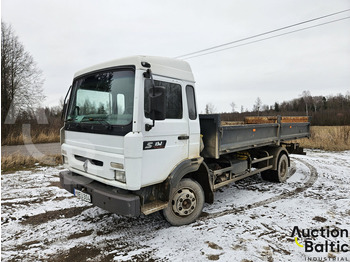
point(166, 144)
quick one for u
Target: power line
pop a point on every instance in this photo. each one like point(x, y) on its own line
point(265, 33)
point(266, 38)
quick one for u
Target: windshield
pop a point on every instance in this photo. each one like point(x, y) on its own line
point(102, 99)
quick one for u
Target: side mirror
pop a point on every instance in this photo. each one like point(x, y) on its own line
point(157, 103)
point(156, 108)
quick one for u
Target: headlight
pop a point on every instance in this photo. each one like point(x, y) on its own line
point(117, 165)
point(120, 176)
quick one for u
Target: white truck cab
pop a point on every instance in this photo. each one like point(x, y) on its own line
point(131, 142)
point(108, 135)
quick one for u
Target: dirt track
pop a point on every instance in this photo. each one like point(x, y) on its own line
point(250, 220)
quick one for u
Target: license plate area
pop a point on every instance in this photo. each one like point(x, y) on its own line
point(81, 195)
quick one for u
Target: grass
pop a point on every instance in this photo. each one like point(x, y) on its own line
point(15, 162)
point(36, 138)
point(329, 138)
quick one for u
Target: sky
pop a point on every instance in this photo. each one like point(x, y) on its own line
point(64, 36)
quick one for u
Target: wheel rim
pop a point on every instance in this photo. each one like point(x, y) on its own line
point(184, 202)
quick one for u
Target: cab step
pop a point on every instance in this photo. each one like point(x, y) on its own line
point(154, 206)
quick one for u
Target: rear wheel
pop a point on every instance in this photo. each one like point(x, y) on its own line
point(185, 203)
point(279, 175)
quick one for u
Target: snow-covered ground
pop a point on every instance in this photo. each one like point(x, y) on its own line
point(251, 220)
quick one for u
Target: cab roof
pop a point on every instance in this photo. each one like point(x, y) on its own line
point(162, 66)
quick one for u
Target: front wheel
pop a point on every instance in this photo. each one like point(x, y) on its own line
point(185, 203)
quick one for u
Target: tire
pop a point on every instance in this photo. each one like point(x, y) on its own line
point(281, 174)
point(186, 202)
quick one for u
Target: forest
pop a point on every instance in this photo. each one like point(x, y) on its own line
point(323, 110)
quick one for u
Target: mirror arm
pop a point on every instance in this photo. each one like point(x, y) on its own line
point(64, 109)
point(148, 127)
point(149, 71)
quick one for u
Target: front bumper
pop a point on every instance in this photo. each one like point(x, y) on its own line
point(109, 198)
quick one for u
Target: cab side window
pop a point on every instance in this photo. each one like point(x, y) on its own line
point(173, 98)
point(191, 103)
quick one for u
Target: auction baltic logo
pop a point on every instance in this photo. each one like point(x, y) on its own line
point(312, 243)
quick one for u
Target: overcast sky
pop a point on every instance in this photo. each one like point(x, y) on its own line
point(64, 36)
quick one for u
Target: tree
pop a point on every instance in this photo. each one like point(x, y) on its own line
point(209, 108)
point(277, 107)
point(21, 80)
point(306, 95)
point(257, 105)
point(233, 106)
point(265, 108)
point(324, 103)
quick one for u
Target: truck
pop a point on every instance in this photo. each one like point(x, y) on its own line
point(133, 142)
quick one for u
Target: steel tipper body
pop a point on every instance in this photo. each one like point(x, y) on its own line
point(222, 139)
point(132, 142)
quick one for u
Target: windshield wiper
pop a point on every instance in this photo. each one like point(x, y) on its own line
point(100, 120)
point(77, 124)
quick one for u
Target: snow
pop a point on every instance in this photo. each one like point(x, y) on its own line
point(250, 220)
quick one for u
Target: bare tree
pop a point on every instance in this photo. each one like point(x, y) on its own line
point(21, 80)
point(210, 108)
point(347, 96)
point(257, 105)
point(233, 106)
point(265, 108)
point(306, 95)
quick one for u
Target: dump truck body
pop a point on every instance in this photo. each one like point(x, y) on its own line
point(222, 139)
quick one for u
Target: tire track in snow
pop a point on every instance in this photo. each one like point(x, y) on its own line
point(120, 237)
point(311, 180)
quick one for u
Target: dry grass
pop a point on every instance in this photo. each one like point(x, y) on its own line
point(330, 138)
point(50, 137)
point(47, 138)
point(16, 162)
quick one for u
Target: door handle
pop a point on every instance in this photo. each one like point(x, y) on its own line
point(183, 137)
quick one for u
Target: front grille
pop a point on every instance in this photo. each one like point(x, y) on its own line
point(92, 161)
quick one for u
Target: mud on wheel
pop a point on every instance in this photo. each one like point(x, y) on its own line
point(185, 203)
point(279, 175)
